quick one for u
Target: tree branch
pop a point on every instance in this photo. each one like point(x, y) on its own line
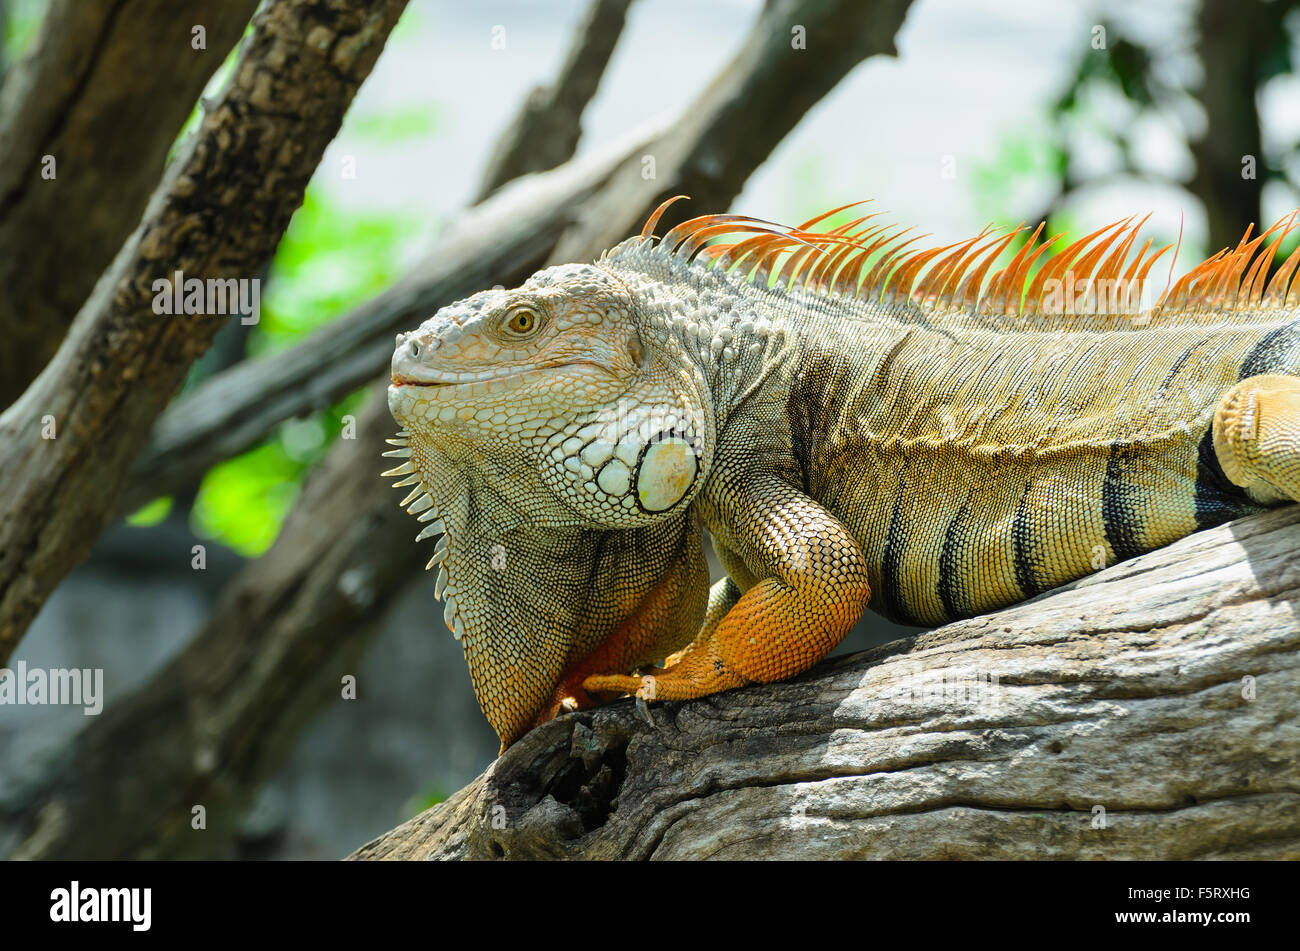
point(1146, 712)
point(291, 622)
point(281, 597)
point(218, 213)
point(796, 51)
point(216, 721)
point(81, 98)
point(547, 129)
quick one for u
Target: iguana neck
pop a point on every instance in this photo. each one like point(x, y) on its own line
point(743, 342)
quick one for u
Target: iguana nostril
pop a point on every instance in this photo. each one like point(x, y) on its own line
point(413, 348)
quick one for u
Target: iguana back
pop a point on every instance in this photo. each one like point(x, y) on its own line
point(979, 466)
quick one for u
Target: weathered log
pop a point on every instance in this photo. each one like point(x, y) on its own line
point(1149, 711)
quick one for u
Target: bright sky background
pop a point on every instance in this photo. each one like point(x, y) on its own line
point(971, 75)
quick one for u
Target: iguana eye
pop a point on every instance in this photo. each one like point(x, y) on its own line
point(521, 321)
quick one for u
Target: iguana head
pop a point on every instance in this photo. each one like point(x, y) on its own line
point(538, 421)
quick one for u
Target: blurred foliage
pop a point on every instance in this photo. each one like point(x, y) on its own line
point(21, 19)
point(243, 501)
point(1123, 63)
point(396, 125)
point(425, 800)
point(811, 196)
point(1108, 94)
point(329, 260)
point(412, 27)
point(1023, 160)
point(153, 513)
point(1124, 71)
point(1132, 85)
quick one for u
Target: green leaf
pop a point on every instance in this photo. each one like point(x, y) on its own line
point(151, 513)
point(243, 501)
point(425, 800)
point(397, 125)
point(328, 261)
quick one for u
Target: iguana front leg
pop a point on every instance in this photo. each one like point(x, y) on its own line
point(1257, 436)
point(810, 588)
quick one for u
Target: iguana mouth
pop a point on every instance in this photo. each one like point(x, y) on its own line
point(435, 379)
point(452, 381)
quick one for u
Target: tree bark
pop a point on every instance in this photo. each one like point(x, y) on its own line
point(218, 213)
point(104, 92)
point(1146, 712)
point(308, 613)
point(216, 721)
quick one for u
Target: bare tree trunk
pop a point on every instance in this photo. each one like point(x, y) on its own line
point(1146, 712)
point(85, 127)
point(65, 445)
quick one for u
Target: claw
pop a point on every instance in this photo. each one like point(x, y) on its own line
point(643, 708)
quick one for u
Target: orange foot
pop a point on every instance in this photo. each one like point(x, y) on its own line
point(692, 673)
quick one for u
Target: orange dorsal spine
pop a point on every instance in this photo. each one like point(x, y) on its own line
point(870, 260)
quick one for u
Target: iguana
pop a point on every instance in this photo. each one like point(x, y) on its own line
point(854, 421)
